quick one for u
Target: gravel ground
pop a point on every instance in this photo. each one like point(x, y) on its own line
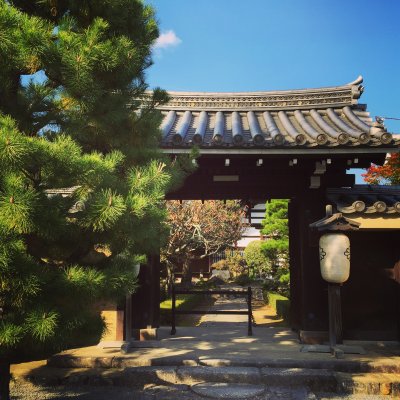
point(177, 392)
point(32, 392)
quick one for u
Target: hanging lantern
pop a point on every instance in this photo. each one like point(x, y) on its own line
point(334, 256)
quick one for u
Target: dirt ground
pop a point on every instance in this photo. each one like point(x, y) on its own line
point(265, 315)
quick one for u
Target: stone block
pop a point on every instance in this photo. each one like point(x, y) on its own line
point(145, 334)
point(114, 320)
point(127, 362)
point(314, 337)
point(67, 361)
point(396, 389)
point(140, 376)
point(228, 391)
point(221, 274)
point(357, 384)
point(175, 360)
point(385, 388)
point(191, 375)
point(314, 379)
point(231, 362)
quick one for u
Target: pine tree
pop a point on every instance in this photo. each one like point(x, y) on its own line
point(276, 247)
point(74, 113)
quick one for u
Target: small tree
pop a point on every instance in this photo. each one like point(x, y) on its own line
point(389, 173)
point(256, 258)
point(198, 230)
point(276, 247)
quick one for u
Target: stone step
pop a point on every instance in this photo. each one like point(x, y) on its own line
point(124, 361)
point(228, 391)
point(371, 384)
point(316, 380)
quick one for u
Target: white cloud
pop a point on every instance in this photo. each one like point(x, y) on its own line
point(167, 39)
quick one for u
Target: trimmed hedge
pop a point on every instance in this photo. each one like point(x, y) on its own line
point(279, 303)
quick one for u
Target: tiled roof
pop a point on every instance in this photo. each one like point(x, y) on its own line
point(366, 199)
point(325, 117)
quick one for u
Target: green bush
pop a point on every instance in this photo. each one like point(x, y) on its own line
point(182, 302)
point(280, 283)
point(243, 280)
point(205, 284)
point(283, 309)
point(279, 303)
point(256, 259)
point(284, 284)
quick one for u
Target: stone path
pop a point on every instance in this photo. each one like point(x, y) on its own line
point(229, 303)
point(226, 304)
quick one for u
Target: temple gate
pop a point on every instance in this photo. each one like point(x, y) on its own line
point(254, 146)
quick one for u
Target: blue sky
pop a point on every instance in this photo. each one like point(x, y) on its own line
point(236, 45)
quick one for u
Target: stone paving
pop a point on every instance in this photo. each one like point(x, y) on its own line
point(215, 360)
point(226, 303)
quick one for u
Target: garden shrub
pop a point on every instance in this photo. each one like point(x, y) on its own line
point(279, 303)
point(182, 302)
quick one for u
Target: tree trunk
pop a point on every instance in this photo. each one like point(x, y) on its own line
point(170, 278)
point(4, 380)
point(186, 274)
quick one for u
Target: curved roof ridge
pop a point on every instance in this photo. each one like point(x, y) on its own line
point(349, 85)
point(324, 97)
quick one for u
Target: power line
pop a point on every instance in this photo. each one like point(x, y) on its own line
point(381, 119)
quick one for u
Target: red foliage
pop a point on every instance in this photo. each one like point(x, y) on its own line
point(389, 173)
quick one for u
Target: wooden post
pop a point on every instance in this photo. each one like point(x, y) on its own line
point(249, 326)
point(335, 315)
point(5, 378)
point(295, 266)
point(146, 301)
point(307, 284)
point(173, 328)
point(128, 318)
point(154, 299)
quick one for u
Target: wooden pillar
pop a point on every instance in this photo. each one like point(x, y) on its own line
point(308, 290)
point(128, 318)
point(296, 304)
point(335, 315)
point(145, 302)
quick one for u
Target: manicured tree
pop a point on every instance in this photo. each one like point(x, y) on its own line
point(276, 247)
point(389, 173)
point(84, 123)
point(256, 258)
point(198, 230)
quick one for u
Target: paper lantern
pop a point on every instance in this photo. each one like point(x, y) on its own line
point(334, 256)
